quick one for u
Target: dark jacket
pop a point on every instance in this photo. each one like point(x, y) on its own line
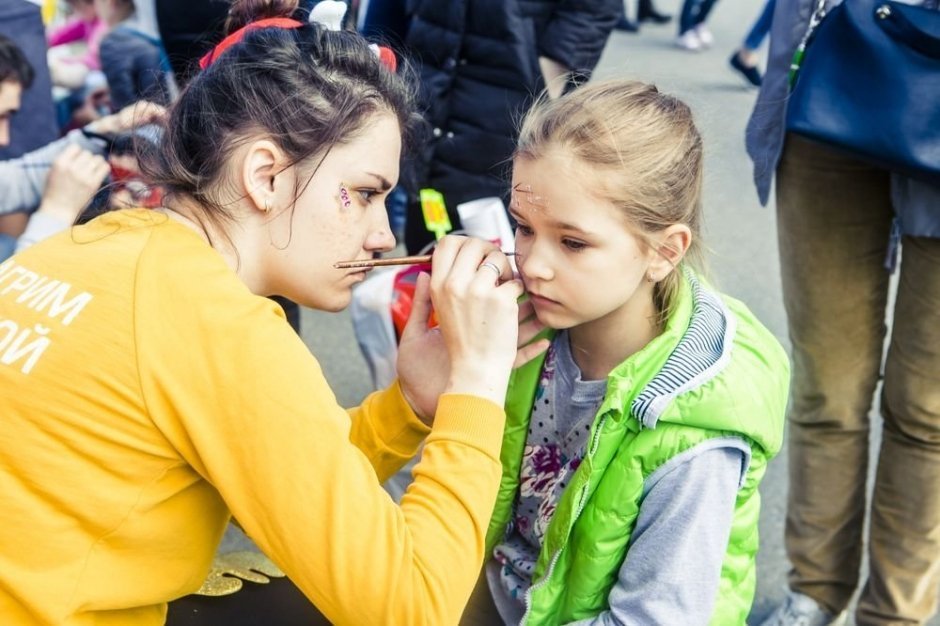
point(479, 71)
point(189, 29)
point(135, 66)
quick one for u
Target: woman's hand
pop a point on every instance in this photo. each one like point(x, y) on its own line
point(423, 364)
point(474, 348)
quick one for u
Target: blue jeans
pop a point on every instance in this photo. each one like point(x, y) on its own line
point(761, 27)
point(694, 12)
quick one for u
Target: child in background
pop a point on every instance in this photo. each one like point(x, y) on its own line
point(85, 27)
point(633, 450)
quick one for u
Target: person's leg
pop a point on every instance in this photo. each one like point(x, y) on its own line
point(760, 29)
point(687, 17)
point(646, 12)
point(745, 60)
point(625, 24)
point(904, 542)
point(705, 9)
point(834, 217)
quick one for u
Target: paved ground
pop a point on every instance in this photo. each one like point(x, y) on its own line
point(739, 233)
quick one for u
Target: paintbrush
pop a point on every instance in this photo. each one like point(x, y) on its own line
point(402, 260)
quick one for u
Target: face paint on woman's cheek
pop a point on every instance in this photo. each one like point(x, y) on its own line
point(344, 199)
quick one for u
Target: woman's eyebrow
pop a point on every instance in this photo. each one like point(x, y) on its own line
point(384, 183)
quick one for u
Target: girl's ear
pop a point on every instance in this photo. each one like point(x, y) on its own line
point(673, 243)
point(262, 163)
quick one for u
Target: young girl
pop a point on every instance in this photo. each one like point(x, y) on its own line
point(85, 26)
point(149, 390)
point(634, 448)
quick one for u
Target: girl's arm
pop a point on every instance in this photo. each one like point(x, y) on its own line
point(673, 565)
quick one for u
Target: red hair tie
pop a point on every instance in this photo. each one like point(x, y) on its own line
point(238, 35)
point(388, 59)
point(385, 54)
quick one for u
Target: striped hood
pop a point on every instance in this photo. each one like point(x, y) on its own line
point(692, 357)
point(701, 353)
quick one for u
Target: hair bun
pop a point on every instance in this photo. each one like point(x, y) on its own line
point(244, 12)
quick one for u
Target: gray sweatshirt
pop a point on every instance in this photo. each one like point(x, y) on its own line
point(23, 180)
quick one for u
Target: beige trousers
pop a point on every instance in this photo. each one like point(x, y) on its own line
point(834, 217)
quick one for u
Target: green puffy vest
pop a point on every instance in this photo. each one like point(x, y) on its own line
point(743, 394)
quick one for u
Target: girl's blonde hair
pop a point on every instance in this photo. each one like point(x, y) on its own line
point(647, 153)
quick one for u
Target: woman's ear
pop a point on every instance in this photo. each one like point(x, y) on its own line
point(263, 162)
point(673, 243)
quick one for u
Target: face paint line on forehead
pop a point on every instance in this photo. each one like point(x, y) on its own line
point(532, 198)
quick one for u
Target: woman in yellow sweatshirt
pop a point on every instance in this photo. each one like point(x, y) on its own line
point(149, 390)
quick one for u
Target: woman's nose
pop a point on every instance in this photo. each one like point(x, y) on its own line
point(381, 238)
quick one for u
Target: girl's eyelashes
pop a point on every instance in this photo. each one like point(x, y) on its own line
point(523, 230)
point(367, 193)
point(574, 245)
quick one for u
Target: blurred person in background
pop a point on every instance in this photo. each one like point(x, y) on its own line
point(481, 63)
point(35, 124)
point(48, 187)
point(840, 224)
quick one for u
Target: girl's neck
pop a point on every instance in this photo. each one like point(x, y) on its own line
point(602, 344)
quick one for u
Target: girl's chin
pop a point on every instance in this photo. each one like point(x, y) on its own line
point(554, 320)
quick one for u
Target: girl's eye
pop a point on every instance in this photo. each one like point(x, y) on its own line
point(523, 230)
point(367, 194)
point(574, 245)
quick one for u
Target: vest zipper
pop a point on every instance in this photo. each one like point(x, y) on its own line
point(582, 502)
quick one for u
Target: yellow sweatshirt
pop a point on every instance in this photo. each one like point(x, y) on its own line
point(145, 394)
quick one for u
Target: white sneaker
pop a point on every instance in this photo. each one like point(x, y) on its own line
point(704, 35)
point(798, 609)
point(689, 40)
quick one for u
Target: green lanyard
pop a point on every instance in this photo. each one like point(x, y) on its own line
point(818, 14)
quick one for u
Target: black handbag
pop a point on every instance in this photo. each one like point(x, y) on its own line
point(866, 80)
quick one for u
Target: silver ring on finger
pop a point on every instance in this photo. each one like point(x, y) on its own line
point(494, 267)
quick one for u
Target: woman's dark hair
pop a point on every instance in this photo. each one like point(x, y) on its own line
point(13, 64)
point(243, 12)
point(307, 89)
